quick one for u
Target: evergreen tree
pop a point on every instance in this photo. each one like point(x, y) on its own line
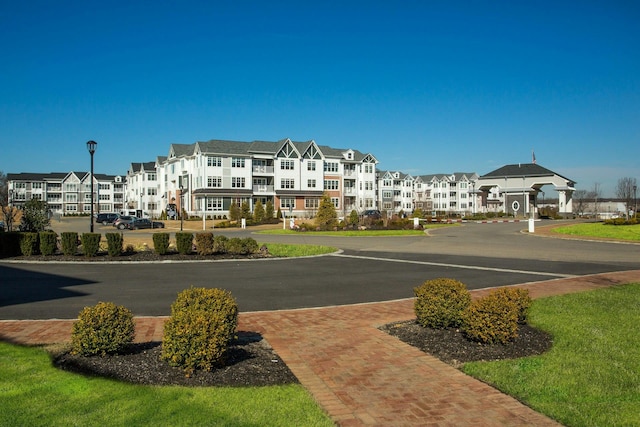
point(326, 219)
point(353, 217)
point(234, 211)
point(258, 212)
point(269, 210)
point(245, 210)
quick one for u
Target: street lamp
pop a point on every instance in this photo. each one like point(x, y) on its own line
point(181, 205)
point(91, 146)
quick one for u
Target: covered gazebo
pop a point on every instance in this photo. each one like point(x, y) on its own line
point(514, 189)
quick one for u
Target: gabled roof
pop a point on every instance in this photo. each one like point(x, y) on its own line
point(522, 169)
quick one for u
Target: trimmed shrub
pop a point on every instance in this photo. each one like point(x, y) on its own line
point(220, 244)
point(48, 242)
point(90, 244)
point(69, 242)
point(198, 332)
point(114, 243)
point(29, 244)
point(440, 303)
point(204, 243)
point(235, 246)
point(520, 297)
point(492, 319)
point(161, 243)
point(184, 242)
point(102, 329)
point(250, 245)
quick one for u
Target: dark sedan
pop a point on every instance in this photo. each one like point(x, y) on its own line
point(140, 223)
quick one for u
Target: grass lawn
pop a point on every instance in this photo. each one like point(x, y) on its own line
point(359, 233)
point(598, 229)
point(591, 376)
point(287, 250)
point(36, 394)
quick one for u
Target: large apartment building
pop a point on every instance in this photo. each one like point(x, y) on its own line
point(205, 178)
point(68, 193)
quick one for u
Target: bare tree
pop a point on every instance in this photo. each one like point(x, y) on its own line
point(624, 191)
point(596, 195)
point(580, 197)
point(8, 213)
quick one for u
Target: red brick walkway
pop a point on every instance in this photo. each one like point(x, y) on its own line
point(358, 374)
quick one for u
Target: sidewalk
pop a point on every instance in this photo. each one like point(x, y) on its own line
point(358, 374)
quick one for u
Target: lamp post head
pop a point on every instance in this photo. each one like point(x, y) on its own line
point(91, 146)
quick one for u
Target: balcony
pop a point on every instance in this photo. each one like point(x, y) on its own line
point(263, 169)
point(263, 188)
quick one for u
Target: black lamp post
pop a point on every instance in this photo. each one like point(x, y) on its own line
point(91, 146)
point(181, 206)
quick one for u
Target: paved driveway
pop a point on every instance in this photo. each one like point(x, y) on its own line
point(367, 269)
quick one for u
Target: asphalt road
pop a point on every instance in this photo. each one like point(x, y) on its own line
point(367, 269)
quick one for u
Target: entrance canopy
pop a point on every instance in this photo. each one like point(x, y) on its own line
point(521, 183)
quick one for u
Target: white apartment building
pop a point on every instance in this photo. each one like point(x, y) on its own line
point(205, 178)
point(68, 193)
point(395, 192)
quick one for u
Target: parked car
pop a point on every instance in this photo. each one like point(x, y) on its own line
point(139, 223)
point(107, 218)
point(372, 214)
point(123, 222)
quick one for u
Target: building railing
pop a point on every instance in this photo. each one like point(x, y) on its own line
point(263, 188)
point(263, 169)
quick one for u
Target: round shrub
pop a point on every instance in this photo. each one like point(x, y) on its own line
point(220, 244)
point(492, 319)
point(440, 303)
point(102, 329)
point(198, 332)
point(204, 243)
point(518, 296)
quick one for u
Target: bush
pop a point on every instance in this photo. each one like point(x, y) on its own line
point(69, 241)
point(184, 242)
point(492, 319)
point(161, 243)
point(29, 244)
point(48, 242)
point(238, 246)
point(198, 332)
point(102, 329)
point(441, 302)
point(90, 244)
point(518, 296)
point(204, 243)
point(114, 243)
point(220, 244)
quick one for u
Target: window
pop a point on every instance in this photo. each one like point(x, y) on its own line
point(214, 181)
point(36, 185)
point(237, 181)
point(287, 202)
point(311, 203)
point(331, 167)
point(152, 191)
point(336, 202)
point(104, 197)
point(214, 161)
point(214, 203)
point(311, 183)
point(368, 168)
point(67, 187)
point(287, 165)
point(71, 198)
point(237, 162)
point(331, 184)
point(387, 194)
point(368, 185)
point(311, 166)
point(104, 186)
point(24, 185)
point(386, 183)
point(71, 208)
point(151, 177)
point(287, 183)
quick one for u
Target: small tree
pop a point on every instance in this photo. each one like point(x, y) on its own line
point(35, 216)
point(624, 191)
point(326, 218)
point(234, 211)
point(268, 213)
point(354, 217)
point(258, 212)
point(245, 210)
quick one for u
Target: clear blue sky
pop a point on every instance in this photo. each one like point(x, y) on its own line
point(425, 86)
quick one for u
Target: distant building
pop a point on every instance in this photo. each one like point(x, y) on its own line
point(67, 193)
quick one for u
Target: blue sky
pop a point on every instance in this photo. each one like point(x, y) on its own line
point(425, 86)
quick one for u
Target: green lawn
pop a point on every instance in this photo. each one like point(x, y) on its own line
point(359, 233)
point(598, 229)
point(591, 376)
point(286, 250)
point(33, 393)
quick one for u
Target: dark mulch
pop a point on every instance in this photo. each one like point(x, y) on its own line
point(450, 345)
point(250, 362)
